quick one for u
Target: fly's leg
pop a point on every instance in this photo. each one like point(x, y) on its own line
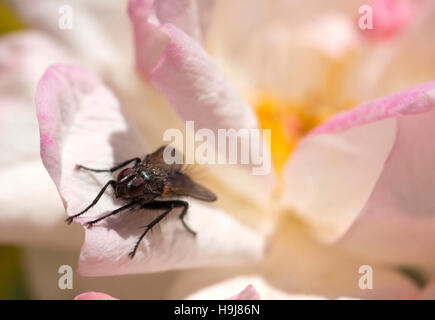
point(168, 205)
point(183, 213)
point(151, 205)
point(119, 166)
point(91, 223)
point(110, 183)
point(172, 204)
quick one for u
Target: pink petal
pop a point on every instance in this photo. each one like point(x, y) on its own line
point(219, 241)
point(222, 289)
point(20, 68)
point(389, 18)
point(413, 101)
point(101, 39)
point(94, 296)
point(81, 122)
point(31, 211)
point(297, 266)
point(365, 177)
point(191, 16)
point(249, 293)
point(394, 65)
point(260, 289)
point(185, 74)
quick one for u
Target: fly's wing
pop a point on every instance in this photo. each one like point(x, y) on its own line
point(182, 185)
point(156, 158)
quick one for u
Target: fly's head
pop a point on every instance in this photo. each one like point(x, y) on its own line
point(140, 181)
point(131, 183)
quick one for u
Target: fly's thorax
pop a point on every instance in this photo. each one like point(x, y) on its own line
point(155, 177)
point(140, 180)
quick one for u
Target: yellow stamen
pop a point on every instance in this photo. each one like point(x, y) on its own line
point(289, 122)
point(290, 119)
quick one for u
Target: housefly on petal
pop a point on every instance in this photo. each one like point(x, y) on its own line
point(145, 185)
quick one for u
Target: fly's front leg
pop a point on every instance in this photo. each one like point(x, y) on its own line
point(110, 183)
point(131, 204)
point(119, 166)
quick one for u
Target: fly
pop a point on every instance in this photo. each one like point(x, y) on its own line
point(145, 184)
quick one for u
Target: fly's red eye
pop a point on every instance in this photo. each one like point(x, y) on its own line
point(136, 187)
point(124, 173)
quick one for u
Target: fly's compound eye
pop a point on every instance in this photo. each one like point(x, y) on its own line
point(124, 173)
point(136, 187)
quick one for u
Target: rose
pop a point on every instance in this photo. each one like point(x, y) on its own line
point(421, 97)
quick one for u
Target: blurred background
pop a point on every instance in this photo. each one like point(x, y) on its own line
point(12, 281)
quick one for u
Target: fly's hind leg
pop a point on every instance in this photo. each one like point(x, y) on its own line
point(175, 204)
point(168, 206)
point(183, 213)
point(152, 205)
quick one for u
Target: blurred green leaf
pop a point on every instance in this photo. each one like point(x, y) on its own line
point(9, 20)
point(12, 284)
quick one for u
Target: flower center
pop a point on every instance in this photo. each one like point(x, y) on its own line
point(292, 119)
